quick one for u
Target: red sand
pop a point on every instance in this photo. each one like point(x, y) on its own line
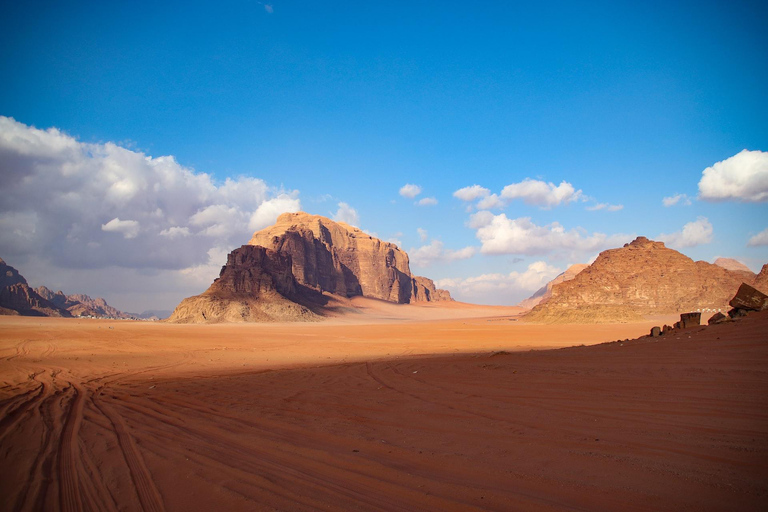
point(342, 415)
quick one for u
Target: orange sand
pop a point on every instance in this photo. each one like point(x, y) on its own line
point(394, 408)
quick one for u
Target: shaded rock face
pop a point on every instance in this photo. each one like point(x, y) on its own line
point(642, 278)
point(749, 299)
point(17, 298)
point(543, 294)
point(337, 258)
point(255, 285)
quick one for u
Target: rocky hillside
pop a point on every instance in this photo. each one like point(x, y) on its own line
point(81, 305)
point(286, 271)
point(17, 298)
point(642, 278)
point(338, 258)
point(545, 292)
point(732, 264)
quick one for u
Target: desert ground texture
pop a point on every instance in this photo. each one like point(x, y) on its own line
point(384, 407)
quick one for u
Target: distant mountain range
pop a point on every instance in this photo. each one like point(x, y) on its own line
point(18, 298)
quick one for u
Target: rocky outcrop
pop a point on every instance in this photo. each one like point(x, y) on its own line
point(642, 278)
point(338, 258)
point(545, 292)
point(256, 285)
point(286, 272)
point(81, 304)
point(17, 298)
point(761, 281)
point(747, 298)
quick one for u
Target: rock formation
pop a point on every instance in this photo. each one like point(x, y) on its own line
point(338, 258)
point(285, 271)
point(642, 278)
point(732, 264)
point(545, 292)
point(761, 281)
point(17, 298)
point(256, 285)
point(81, 304)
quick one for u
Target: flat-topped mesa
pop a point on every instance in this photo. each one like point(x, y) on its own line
point(642, 278)
point(338, 258)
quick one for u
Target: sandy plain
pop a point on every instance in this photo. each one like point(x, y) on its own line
point(384, 407)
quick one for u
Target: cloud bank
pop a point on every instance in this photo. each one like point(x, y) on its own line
point(73, 205)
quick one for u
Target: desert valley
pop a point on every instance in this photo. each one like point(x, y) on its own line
point(318, 373)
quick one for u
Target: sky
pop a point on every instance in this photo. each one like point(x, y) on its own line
point(496, 143)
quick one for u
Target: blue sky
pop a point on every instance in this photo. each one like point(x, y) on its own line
point(347, 102)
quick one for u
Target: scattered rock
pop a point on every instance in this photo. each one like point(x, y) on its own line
point(688, 320)
point(655, 331)
point(749, 298)
point(718, 318)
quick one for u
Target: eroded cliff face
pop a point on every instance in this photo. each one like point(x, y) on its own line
point(338, 258)
point(18, 298)
point(543, 294)
point(283, 272)
point(255, 285)
point(642, 278)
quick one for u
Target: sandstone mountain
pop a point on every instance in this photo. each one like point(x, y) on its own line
point(81, 305)
point(17, 298)
point(761, 281)
point(286, 272)
point(545, 292)
point(732, 264)
point(642, 278)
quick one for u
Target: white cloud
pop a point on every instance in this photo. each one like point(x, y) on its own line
point(675, 199)
point(742, 177)
point(347, 214)
point(471, 193)
point(129, 228)
point(501, 235)
point(427, 201)
point(409, 190)
point(759, 239)
point(501, 288)
point(269, 8)
point(423, 235)
point(605, 206)
point(694, 233)
point(434, 252)
point(491, 202)
point(63, 201)
point(540, 193)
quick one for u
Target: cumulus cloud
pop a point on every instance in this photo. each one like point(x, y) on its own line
point(694, 233)
point(742, 177)
point(64, 201)
point(426, 255)
point(471, 193)
point(605, 206)
point(129, 228)
point(502, 235)
point(347, 214)
point(410, 191)
point(759, 239)
point(500, 288)
point(682, 199)
point(427, 201)
point(540, 193)
point(423, 234)
point(491, 202)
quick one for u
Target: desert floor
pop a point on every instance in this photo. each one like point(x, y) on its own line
point(383, 408)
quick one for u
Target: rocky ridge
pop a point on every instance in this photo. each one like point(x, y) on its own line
point(731, 264)
point(545, 292)
point(642, 278)
point(287, 271)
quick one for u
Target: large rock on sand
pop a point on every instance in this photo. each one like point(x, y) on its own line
point(749, 299)
point(642, 278)
point(255, 285)
point(341, 259)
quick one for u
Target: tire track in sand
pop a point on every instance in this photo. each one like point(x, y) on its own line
point(69, 489)
point(149, 496)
